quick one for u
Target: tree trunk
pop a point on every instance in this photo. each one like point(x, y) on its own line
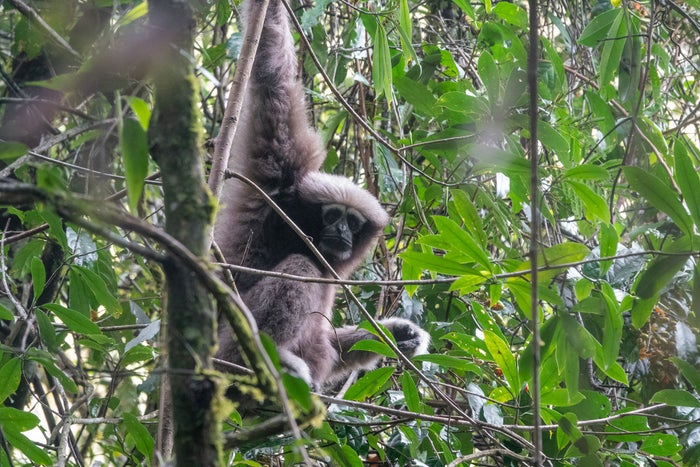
point(175, 145)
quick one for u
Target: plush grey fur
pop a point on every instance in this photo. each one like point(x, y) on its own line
point(277, 148)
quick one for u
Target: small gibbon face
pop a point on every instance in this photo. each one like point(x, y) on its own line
point(340, 225)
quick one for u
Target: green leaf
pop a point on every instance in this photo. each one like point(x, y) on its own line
point(410, 392)
point(140, 109)
point(469, 215)
point(10, 375)
point(12, 150)
point(20, 420)
point(381, 67)
point(140, 435)
point(38, 276)
point(368, 385)
point(463, 103)
point(406, 30)
point(661, 444)
point(613, 47)
point(370, 345)
point(688, 180)
point(587, 172)
point(511, 13)
point(74, 320)
point(488, 72)
point(599, 27)
point(27, 447)
point(503, 356)
point(47, 332)
point(46, 360)
point(416, 94)
point(626, 428)
point(431, 262)
point(607, 239)
point(134, 145)
point(658, 273)
point(5, 313)
point(99, 289)
point(675, 398)
point(594, 206)
point(659, 195)
point(463, 242)
point(612, 326)
point(449, 361)
point(689, 372)
point(581, 341)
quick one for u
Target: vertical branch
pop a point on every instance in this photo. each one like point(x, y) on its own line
point(175, 137)
point(229, 123)
point(532, 56)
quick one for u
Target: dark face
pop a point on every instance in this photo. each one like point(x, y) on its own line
point(340, 226)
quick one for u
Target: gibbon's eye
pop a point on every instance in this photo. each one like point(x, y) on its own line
point(355, 220)
point(332, 213)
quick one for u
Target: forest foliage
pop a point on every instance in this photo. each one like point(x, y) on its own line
point(426, 105)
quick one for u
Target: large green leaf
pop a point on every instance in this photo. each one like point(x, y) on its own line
point(10, 375)
point(462, 241)
point(140, 435)
point(612, 50)
point(599, 27)
point(133, 141)
point(369, 384)
point(659, 195)
point(74, 320)
point(381, 67)
point(503, 356)
point(686, 176)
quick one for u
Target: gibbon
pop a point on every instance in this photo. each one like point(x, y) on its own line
point(276, 147)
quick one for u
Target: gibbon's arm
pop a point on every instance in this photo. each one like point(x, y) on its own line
point(275, 144)
point(410, 339)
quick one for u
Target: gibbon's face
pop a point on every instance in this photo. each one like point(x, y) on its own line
point(340, 225)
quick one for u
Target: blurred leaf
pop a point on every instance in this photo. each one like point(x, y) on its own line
point(599, 28)
point(511, 13)
point(659, 195)
point(594, 206)
point(613, 47)
point(134, 145)
point(381, 67)
point(488, 72)
point(10, 375)
point(431, 262)
point(689, 372)
point(38, 277)
point(448, 361)
point(370, 345)
point(688, 180)
point(140, 435)
point(145, 334)
point(675, 398)
point(27, 447)
point(410, 392)
point(661, 444)
point(99, 289)
point(608, 240)
point(12, 150)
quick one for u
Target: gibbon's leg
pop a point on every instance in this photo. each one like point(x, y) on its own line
point(293, 314)
point(410, 339)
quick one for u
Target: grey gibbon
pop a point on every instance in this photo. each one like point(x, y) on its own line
point(276, 147)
